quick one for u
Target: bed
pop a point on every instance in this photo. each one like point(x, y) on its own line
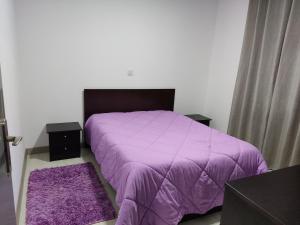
point(162, 164)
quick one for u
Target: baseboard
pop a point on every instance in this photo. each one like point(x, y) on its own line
point(37, 150)
point(19, 203)
point(43, 149)
point(28, 151)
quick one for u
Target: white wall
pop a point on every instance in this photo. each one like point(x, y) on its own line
point(10, 77)
point(69, 45)
point(227, 45)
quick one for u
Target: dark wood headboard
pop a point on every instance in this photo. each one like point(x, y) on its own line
point(126, 100)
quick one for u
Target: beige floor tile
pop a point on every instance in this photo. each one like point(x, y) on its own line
point(39, 161)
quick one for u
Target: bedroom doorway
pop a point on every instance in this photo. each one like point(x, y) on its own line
point(7, 208)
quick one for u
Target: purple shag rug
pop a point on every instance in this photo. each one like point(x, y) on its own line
point(69, 195)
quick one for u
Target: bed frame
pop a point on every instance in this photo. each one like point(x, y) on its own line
point(127, 100)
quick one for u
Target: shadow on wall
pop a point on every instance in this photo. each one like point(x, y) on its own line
point(38, 147)
point(42, 138)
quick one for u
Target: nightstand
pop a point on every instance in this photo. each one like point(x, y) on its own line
point(64, 140)
point(199, 118)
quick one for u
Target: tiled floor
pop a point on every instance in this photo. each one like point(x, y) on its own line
point(38, 161)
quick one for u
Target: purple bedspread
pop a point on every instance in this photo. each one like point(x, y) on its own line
point(164, 165)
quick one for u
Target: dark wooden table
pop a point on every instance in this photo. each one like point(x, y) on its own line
point(64, 140)
point(268, 199)
point(200, 118)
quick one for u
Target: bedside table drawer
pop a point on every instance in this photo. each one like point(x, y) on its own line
point(64, 138)
point(64, 145)
point(64, 151)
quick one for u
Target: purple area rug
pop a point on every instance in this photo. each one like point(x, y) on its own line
point(69, 195)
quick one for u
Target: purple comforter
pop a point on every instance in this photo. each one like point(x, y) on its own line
point(164, 165)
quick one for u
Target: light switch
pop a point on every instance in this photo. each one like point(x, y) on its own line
point(130, 73)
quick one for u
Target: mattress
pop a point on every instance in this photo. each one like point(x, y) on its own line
point(164, 165)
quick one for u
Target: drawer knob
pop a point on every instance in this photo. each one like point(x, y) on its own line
point(66, 148)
